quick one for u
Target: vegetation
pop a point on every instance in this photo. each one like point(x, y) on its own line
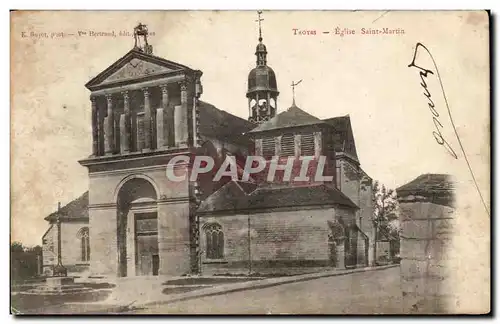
point(25, 261)
point(385, 214)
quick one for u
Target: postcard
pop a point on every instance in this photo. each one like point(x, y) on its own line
point(250, 162)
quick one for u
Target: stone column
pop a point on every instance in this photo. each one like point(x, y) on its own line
point(109, 129)
point(161, 117)
point(101, 113)
point(257, 111)
point(427, 216)
point(95, 128)
point(147, 121)
point(125, 124)
point(180, 117)
point(250, 107)
point(196, 112)
point(269, 104)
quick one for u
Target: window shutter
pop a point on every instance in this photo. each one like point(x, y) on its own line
point(307, 144)
point(268, 147)
point(287, 145)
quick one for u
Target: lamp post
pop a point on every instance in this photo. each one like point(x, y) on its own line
point(59, 269)
point(249, 248)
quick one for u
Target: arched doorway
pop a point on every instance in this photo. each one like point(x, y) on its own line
point(137, 228)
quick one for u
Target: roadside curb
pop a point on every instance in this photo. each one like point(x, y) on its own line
point(260, 284)
point(236, 287)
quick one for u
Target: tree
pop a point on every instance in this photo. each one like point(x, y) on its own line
point(385, 206)
point(25, 261)
point(16, 247)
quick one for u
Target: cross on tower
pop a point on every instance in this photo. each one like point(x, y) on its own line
point(260, 27)
point(294, 84)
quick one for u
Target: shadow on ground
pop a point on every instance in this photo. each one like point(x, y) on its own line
point(38, 303)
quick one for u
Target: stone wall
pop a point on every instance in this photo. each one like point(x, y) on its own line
point(426, 236)
point(278, 238)
point(70, 246)
point(173, 220)
point(357, 186)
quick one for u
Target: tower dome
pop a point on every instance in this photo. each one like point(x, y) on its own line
point(262, 90)
point(262, 78)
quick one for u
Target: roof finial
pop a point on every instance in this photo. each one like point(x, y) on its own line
point(260, 27)
point(294, 84)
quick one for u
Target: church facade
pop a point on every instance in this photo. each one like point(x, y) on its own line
point(135, 221)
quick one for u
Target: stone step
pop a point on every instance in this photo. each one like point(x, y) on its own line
point(55, 291)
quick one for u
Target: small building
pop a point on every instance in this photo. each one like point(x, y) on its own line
point(75, 237)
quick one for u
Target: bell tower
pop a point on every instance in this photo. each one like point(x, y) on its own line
point(262, 91)
point(141, 30)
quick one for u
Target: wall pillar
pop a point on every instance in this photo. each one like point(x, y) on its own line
point(109, 128)
point(95, 128)
point(196, 112)
point(162, 125)
point(180, 117)
point(173, 238)
point(147, 120)
point(125, 124)
point(427, 223)
point(103, 241)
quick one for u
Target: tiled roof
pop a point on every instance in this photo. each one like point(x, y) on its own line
point(216, 123)
point(438, 188)
point(231, 198)
point(293, 116)
point(426, 183)
point(76, 209)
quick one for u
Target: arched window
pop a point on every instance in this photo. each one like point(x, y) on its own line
point(215, 241)
point(83, 235)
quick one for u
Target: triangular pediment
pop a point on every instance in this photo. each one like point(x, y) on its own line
point(134, 65)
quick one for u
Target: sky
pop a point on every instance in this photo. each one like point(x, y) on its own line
point(363, 75)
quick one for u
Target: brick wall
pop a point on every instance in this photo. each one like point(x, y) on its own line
point(296, 237)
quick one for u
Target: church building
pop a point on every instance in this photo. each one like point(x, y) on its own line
point(135, 221)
